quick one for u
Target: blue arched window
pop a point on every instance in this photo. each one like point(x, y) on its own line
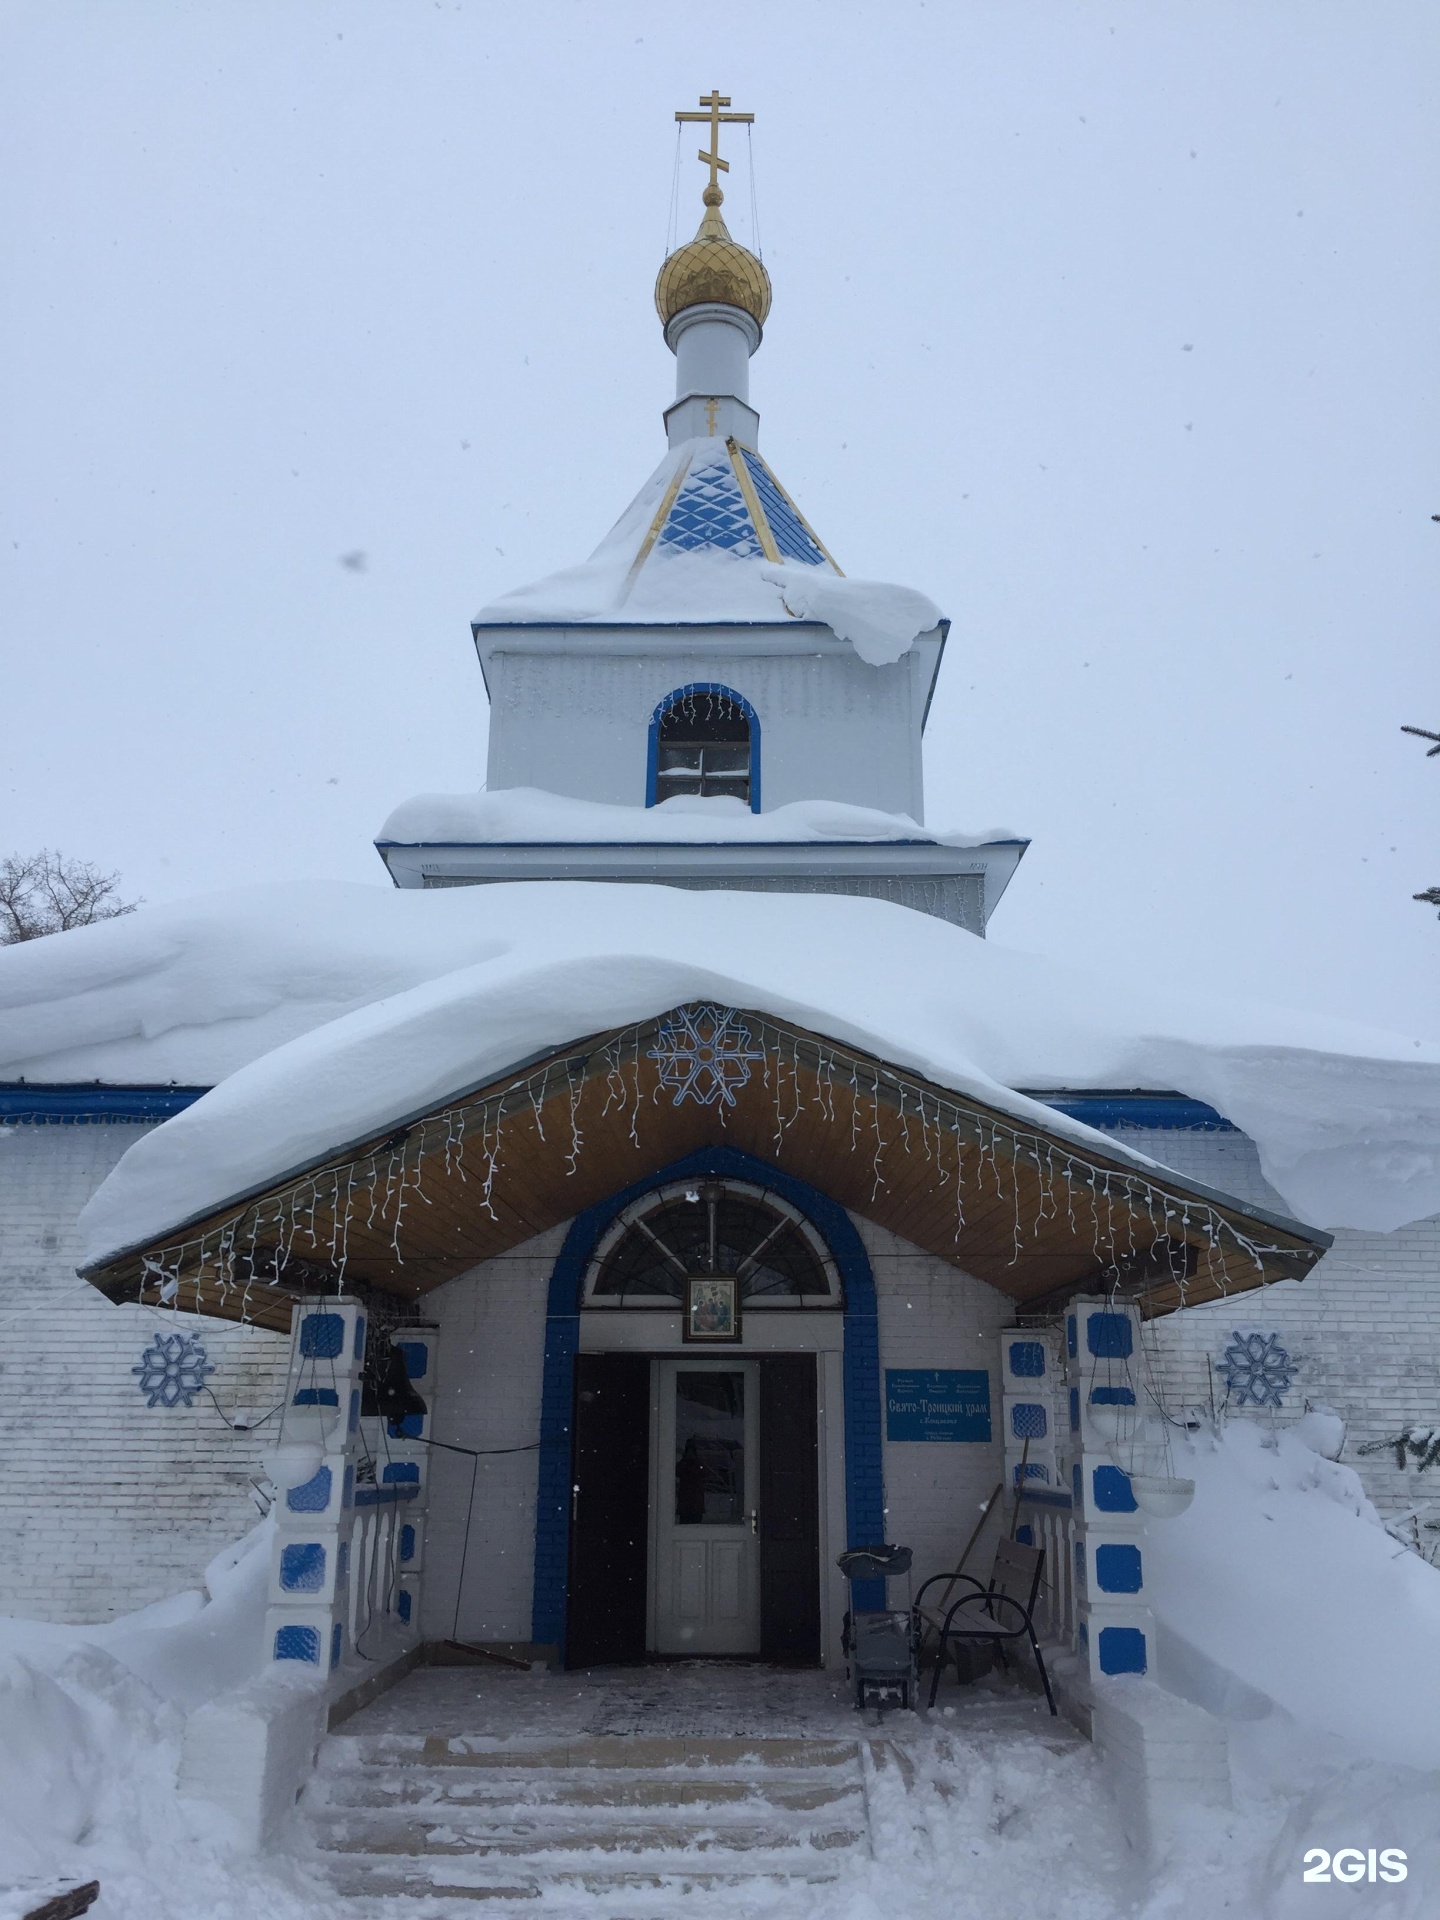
point(704, 740)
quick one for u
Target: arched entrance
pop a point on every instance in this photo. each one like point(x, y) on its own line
point(710, 1377)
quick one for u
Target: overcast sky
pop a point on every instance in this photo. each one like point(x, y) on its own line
point(1111, 327)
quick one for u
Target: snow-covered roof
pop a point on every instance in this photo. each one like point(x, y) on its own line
point(713, 536)
point(329, 1009)
point(530, 816)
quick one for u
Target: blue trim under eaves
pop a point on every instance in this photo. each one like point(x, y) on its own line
point(45, 1105)
point(1171, 1112)
point(786, 625)
point(648, 846)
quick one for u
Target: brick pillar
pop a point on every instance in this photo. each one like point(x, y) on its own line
point(402, 1467)
point(314, 1508)
point(1116, 1632)
point(1032, 1395)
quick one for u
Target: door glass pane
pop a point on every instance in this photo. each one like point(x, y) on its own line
point(709, 1449)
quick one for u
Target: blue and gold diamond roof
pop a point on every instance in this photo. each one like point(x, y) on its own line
point(725, 499)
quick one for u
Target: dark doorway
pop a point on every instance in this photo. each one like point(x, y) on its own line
point(610, 1501)
point(789, 1511)
point(609, 1509)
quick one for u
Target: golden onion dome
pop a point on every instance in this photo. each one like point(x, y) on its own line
point(712, 268)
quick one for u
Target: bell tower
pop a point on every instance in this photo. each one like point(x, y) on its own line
point(708, 701)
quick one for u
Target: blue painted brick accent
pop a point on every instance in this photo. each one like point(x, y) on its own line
point(417, 1357)
point(1117, 1568)
point(1027, 1359)
point(360, 1338)
point(1071, 1343)
point(337, 1640)
point(1112, 1397)
point(317, 1397)
point(298, 1643)
point(1122, 1650)
point(302, 1567)
point(314, 1496)
point(400, 1473)
point(1074, 1409)
point(1029, 1421)
point(403, 1605)
point(1109, 1336)
point(407, 1542)
point(1112, 1490)
point(322, 1336)
point(1025, 1534)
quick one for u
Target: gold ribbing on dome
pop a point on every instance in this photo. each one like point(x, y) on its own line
point(712, 267)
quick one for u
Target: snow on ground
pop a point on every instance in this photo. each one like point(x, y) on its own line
point(354, 1006)
point(530, 816)
point(1312, 1627)
point(92, 1721)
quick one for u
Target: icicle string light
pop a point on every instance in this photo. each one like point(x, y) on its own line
point(300, 1237)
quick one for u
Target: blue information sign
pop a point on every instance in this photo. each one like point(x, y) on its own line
point(928, 1403)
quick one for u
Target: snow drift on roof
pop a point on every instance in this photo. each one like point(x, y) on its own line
point(697, 556)
point(357, 1004)
point(530, 815)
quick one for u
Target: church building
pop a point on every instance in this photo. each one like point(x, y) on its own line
point(666, 1186)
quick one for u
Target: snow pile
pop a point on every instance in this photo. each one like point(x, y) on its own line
point(530, 816)
point(93, 1719)
point(622, 581)
point(337, 1008)
point(188, 992)
point(463, 983)
point(880, 621)
point(1279, 1585)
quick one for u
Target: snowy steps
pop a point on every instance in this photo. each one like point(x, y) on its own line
point(501, 1822)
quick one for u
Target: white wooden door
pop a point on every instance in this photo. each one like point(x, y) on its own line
point(705, 1507)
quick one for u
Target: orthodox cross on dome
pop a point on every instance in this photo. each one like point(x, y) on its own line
point(712, 102)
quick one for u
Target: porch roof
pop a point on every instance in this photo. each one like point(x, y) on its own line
point(1035, 1210)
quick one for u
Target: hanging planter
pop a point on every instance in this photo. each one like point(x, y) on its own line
point(1159, 1496)
point(292, 1464)
point(1112, 1424)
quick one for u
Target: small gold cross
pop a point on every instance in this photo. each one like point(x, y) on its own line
point(713, 102)
point(712, 407)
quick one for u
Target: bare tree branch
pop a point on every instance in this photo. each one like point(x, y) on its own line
point(46, 892)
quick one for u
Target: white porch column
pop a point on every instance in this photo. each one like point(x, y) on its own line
point(1116, 1629)
point(313, 1470)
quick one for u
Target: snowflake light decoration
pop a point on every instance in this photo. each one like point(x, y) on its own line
point(704, 1053)
point(1258, 1372)
point(172, 1370)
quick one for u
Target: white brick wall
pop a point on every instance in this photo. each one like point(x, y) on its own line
point(106, 1504)
point(1363, 1329)
point(932, 1316)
